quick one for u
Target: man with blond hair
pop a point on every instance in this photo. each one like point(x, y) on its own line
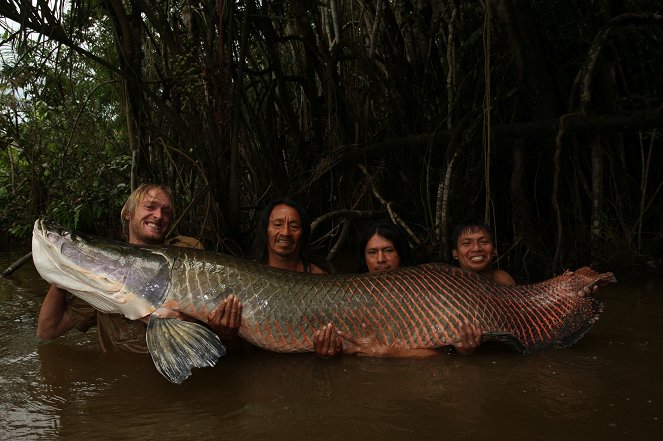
point(146, 218)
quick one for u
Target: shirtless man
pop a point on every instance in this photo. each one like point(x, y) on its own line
point(384, 247)
point(475, 250)
point(282, 238)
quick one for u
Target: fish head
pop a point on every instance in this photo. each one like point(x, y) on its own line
point(112, 276)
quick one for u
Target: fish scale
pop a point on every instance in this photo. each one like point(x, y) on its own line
point(415, 307)
point(419, 306)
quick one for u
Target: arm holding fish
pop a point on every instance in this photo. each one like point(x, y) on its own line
point(590, 291)
point(468, 339)
point(327, 342)
point(54, 318)
point(60, 312)
point(226, 319)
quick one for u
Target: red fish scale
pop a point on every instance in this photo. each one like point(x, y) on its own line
point(419, 306)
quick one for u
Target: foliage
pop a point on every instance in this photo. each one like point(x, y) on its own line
point(63, 156)
point(540, 117)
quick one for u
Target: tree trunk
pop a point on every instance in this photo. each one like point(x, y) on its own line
point(128, 38)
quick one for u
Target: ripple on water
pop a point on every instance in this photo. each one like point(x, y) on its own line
point(604, 387)
point(26, 414)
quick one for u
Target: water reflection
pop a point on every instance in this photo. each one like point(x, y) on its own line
point(606, 387)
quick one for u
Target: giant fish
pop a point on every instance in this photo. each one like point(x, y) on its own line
point(415, 307)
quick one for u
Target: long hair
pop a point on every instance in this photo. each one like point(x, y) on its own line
point(390, 231)
point(134, 199)
point(259, 252)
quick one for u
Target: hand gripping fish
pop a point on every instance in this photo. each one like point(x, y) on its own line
point(414, 307)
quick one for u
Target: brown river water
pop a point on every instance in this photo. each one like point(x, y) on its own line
point(606, 387)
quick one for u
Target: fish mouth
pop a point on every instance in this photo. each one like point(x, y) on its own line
point(112, 276)
point(62, 259)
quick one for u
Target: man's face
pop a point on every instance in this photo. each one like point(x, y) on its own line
point(475, 250)
point(380, 254)
point(151, 219)
point(284, 231)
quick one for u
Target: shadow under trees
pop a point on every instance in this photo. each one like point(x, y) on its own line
point(540, 118)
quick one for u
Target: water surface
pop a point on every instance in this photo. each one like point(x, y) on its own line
point(606, 387)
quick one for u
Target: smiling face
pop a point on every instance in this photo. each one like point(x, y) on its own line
point(151, 218)
point(474, 250)
point(284, 232)
point(381, 254)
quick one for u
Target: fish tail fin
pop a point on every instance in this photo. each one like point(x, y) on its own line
point(586, 277)
point(176, 346)
point(506, 339)
point(574, 325)
point(580, 322)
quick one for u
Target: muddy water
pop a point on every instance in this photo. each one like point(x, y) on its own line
point(607, 387)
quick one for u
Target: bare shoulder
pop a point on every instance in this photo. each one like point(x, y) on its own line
point(185, 242)
point(501, 276)
point(315, 269)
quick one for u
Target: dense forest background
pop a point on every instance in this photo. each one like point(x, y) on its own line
point(542, 118)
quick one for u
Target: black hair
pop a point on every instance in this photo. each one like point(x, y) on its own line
point(471, 227)
point(260, 239)
point(390, 231)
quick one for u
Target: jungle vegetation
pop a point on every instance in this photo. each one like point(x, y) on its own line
point(541, 117)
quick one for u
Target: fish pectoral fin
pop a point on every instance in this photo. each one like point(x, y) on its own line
point(176, 346)
point(505, 338)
